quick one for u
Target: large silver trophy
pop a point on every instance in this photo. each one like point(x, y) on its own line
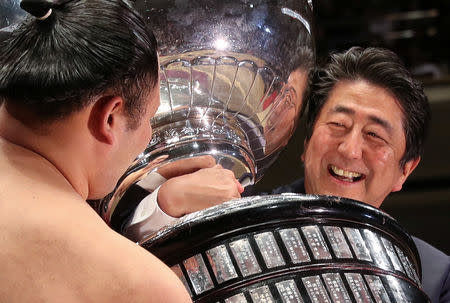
point(233, 74)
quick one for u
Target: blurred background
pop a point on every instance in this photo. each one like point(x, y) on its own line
point(419, 32)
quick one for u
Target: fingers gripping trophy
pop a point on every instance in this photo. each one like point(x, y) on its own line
point(233, 74)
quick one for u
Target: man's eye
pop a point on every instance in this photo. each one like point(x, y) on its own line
point(336, 124)
point(375, 136)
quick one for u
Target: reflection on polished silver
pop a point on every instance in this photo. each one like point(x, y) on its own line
point(377, 289)
point(245, 257)
point(10, 15)
point(269, 249)
point(289, 292)
point(198, 274)
point(138, 170)
point(337, 241)
point(294, 245)
point(232, 79)
point(221, 264)
point(292, 248)
point(336, 287)
point(232, 76)
point(315, 289)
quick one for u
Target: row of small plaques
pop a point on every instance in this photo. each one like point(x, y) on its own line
point(373, 248)
point(327, 288)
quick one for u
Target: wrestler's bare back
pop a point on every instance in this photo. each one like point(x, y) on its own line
point(55, 248)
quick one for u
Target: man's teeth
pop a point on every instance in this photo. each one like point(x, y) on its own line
point(345, 173)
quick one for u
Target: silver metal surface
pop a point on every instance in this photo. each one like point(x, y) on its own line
point(245, 257)
point(289, 292)
point(269, 249)
point(221, 264)
point(232, 78)
point(10, 15)
point(294, 245)
point(233, 75)
point(316, 290)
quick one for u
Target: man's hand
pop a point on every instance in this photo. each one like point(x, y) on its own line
point(201, 189)
point(186, 166)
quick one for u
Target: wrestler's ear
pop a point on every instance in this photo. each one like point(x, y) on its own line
point(107, 118)
point(406, 170)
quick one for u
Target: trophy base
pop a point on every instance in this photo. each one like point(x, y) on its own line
point(291, 248)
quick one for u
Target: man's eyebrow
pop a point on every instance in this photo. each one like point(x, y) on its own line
point(342, 109)
point(383, 123)
point(380, 121)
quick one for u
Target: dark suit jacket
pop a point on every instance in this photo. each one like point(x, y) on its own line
point(435, 264)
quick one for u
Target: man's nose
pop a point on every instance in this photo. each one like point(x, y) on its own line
point(351, 145)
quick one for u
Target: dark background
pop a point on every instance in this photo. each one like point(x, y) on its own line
point(419, 32)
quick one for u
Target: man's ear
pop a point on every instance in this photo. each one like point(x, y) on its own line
point(305, 145)
point(406, 171)
point(106, 118)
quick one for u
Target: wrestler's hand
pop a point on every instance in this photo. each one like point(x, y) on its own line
point(186, 166)
point(198, 190)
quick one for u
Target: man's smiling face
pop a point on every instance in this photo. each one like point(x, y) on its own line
point(356, 145)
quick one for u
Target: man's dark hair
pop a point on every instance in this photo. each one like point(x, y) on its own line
point(383, 68)
point(51, 68)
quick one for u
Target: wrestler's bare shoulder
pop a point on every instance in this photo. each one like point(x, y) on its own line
point(55, 248)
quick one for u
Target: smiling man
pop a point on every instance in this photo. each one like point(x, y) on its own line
point(365, 131)
point(357, 144)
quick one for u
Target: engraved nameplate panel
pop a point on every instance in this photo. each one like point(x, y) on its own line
point(239, 298)
point(245, 257)
point(377, 288)
point(269, 249)
point(358, 244)
point(392, 255)
point(289, 292)
point(198, 274)
point(221, 263)
point(377, 250)
point(294, 245)
point(338, 242)
point(262, 294)
point(336, 288)
point(315, 289)
point(358, 287)
point(316, 242)
point(407, 265)
point(397, 290)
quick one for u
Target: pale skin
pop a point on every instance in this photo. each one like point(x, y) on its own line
point(356, 146)
point(55, 248)
point(194, 184)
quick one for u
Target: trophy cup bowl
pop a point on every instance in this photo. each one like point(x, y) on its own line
point(225, 88)
point(232, 78)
